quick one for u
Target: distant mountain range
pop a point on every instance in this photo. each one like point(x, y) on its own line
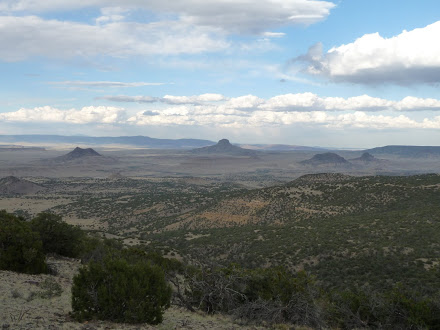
point(19, 148)
point(406, 151)
point(141, 141)
point(138, 141)
point(148, 142)
point(280, 147)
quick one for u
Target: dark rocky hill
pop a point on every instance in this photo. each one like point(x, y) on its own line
point(366, 158)
point(13, 185)
point(224, 147)
point(79, 156)
point(328, 158)
point(78, 153)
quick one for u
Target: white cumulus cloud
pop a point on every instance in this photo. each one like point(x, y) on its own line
point(216, 110)
point(245, 102)
point(295, 109)
point(358, 119)
point(86, 115)
point(408, 58)
point(411, 103)
point(300, 102)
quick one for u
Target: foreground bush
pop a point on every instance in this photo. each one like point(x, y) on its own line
point(270, 296)
point(117, 291)
point(276, 296)
point(396, 308)
point(21, 249)
point(57, 236)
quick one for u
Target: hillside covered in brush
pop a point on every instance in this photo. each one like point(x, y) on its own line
point(347, 229)
point(322, 250)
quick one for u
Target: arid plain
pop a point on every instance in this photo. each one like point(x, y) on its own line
point(125, 185)
point(328, 212)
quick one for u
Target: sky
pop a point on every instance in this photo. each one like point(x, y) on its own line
point(340, 73)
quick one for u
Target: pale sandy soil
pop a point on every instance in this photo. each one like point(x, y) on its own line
point(37, 204)
point(21, 308)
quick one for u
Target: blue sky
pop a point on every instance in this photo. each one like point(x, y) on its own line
point(347, 73)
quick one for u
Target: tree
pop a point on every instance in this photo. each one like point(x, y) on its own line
point(117, 291)
point(21, 249)
point(57, 236)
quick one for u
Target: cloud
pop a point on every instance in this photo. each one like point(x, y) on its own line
point(124, 98)
point(111, 14)
point(101, 84)
point(301, 102)
point(295, 109)
point(168, 99)
point(358, 119)
point(86, 115)
point(173, 116)
point(312, 102)
point(411, 103)
point(273, 34)
point(150, 113)
point(239, 16)
point(245, 102)
point(409, 58)
point(248, 111)
point(30, 36)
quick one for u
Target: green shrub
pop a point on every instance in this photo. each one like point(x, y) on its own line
point(357, 308)
point(396, 308)
point(57, 236)
point(96, 249)
point(21, 249)
point(117, 291)
point(408, 309)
